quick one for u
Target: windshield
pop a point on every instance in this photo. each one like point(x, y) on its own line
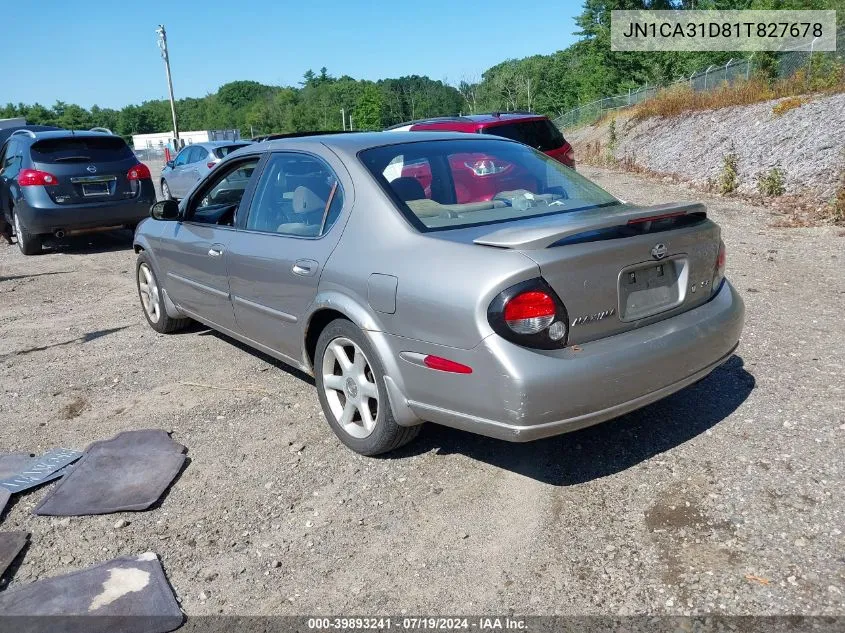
point(539, 134)
point(451, 184)
point(81, 149)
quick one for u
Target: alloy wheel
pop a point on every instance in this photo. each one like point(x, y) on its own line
point(19, 233)
point(350, 388)
point(148, 290)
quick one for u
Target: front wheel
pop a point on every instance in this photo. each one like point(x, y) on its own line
point(350, 384)
point(29, 243)
point(165, 191)
point(151, 300)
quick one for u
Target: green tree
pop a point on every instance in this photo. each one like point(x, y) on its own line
point(368, 109)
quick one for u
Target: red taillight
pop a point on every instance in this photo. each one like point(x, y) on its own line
point(719, 269)
point(530, 312)
point(34, 177)
point(139, 172)
point(210, 164)
point(444, 364)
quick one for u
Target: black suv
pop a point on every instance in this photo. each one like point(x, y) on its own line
point(65, 183)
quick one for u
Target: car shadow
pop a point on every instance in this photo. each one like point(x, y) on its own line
point(32, 275)
point(85, 338)
point(608, 448)
point(106, 242)
point(201, 330)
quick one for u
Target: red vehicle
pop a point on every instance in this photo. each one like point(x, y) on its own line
point(480, 177)
point(526, 127)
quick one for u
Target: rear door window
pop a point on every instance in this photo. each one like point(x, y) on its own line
point(197, 154)
point(539, 134)
point(83, 150)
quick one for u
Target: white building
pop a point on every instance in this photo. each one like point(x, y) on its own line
point(160, 140)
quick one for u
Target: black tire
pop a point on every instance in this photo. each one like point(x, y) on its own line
point(386, 434)
point(165, 191)
point(157, 318)
point(29, 243)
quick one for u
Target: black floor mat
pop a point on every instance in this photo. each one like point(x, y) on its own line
point(125, 595)
point(129, 472)
point(11, 544)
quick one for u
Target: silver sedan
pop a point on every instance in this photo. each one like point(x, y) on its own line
point(191, 165)
point(465, 280)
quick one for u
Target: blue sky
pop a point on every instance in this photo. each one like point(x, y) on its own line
point(89, 52)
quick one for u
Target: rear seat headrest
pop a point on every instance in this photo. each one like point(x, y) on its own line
point(306, 201)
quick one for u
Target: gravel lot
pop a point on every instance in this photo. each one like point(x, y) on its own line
point(726, 497)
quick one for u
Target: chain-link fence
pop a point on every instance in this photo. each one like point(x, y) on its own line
point(789, 63)
point(706, 79)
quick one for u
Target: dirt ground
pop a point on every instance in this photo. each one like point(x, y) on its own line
point(725, 498)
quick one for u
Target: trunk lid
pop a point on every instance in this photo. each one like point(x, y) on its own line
point(89, 169)
point(618, 269)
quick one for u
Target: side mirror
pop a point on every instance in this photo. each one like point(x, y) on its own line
point(165, 210)
point(171, 163)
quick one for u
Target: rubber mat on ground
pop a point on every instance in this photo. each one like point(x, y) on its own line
point(13, 463)
point(11, 544)
point(129, 472)
point(4, 499)
point(125, 595)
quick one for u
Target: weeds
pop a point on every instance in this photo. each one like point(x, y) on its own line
point(729, 178)
point(612, 139)
point(825, 75)
point(771, 183)
point(837, 207)
point(785, 105)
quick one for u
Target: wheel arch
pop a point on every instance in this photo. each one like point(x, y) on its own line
point(335, 305)
point(140, 245)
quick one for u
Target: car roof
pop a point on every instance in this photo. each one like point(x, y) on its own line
point(41, 135)
point(355, 142)
point(6, 133)
point(221, 143)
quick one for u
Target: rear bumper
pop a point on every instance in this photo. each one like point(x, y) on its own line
point(41, 215)
point(519, 395)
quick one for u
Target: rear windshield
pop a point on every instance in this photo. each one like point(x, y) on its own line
point(220, 152)
point(542, 134)
point(451, 184)
point(89, 150)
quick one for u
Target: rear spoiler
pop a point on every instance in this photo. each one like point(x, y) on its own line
point(549, 230)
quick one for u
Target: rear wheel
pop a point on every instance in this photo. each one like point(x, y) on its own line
point(350, 385)
point(29, 243)
point(151, 300)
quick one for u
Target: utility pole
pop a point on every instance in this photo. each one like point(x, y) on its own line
point(162, 44)
point(343, 118)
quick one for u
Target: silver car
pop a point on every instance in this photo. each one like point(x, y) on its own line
point(460, 279)
point(191, 165)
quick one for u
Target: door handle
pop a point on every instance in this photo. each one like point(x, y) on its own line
point(215, 251)
point(304, 267)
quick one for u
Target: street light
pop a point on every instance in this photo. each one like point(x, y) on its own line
point(162, 45)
